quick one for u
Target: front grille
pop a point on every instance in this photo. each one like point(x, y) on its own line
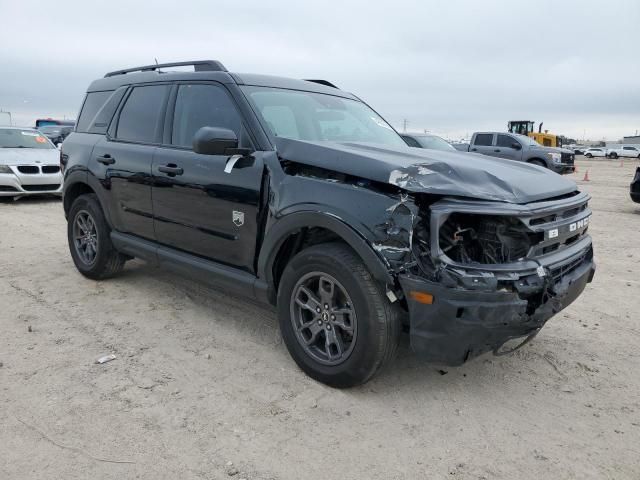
point(567, 158)
point(498, 239)
point(41, 188)
point(28, 169)
point(6, 188)
point(559, 272)
point(50, 169)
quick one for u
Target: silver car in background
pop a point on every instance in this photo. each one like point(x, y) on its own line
point(29, 163)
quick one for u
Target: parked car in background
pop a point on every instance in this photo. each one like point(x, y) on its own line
point(595, 152)
point(513, 146)
point(56, 133)
point(29, 163)
point(634, 188)
point(630, 151)
point(425, 140)
point(43, 122)
point(298, 194)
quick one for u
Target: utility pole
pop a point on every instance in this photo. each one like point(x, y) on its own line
point(405, 122)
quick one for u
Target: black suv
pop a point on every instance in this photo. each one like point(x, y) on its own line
point(299, 194)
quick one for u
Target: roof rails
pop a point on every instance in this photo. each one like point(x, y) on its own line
point(326, 83)
point(198, 66)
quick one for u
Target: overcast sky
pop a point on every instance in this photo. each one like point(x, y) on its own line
point(450, 67)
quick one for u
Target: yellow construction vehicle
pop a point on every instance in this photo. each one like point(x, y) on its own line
point(526, 127)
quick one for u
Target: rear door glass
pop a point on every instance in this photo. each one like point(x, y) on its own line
point(92, 104)
point(140, 116)
point(483, 139)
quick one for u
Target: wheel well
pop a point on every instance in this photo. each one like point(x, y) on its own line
point(73, 192)
point(296, 242)
point(537, 160)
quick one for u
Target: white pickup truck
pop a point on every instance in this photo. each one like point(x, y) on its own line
point(632, 151)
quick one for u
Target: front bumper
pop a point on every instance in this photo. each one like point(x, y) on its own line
point(464, 322)
point(17, 184)
point(563, 168)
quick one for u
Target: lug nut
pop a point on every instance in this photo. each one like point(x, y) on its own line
point(326, 306)
point(319, 322)
point(333, 317)
point(318, 309)
point(328, 327)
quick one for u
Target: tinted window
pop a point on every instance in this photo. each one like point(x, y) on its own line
point(629, 148)
point(200, 106)
point(101, 121)
point(483, 139)
point(505, 141)
point(140, 114)
point(92, 103)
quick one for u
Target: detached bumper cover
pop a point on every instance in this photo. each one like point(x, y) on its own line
point(463, 323)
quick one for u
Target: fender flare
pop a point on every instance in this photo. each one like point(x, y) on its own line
point(293, 222)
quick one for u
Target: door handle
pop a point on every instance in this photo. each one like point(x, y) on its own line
point(106, 159)
point(170, 169)
point(474, 149)
point(497, 150)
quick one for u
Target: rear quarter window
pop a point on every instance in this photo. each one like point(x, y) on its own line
point(93, 102)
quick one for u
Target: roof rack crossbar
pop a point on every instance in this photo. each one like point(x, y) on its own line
point(198, 66)
point(326, 83)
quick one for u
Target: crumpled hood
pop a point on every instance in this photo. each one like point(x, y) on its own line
point(29, 156)
point(432, 171)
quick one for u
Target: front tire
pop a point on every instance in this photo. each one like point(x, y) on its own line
point(538, 163)
point(335, 319)
point(613, 155)
point(88, 234)
point(588, 155)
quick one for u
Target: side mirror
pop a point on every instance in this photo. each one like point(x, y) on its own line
point(516, 146)
point(214, 141)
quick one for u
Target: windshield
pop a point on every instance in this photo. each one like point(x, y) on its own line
point(50, 129)
point(434, 143)
point(318, 117)
point(528, 140)
point(17, 138)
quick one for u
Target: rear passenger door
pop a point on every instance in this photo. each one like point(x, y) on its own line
point(121, 160)
point(482, 143)
point(203, 209)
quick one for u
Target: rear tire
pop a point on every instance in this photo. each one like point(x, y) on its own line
point(88, 234)
point(345, 349)
point(588, 155)
point(613, 155)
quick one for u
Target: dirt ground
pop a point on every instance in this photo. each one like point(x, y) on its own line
point(203, 387)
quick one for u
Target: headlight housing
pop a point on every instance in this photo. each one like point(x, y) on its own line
point(5, 169)
point(555, 157)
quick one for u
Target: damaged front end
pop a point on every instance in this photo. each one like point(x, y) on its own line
point(476, 274)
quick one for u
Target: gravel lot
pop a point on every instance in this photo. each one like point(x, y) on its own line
point(203, 387)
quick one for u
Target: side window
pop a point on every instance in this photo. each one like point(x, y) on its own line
point(92, 104)
point(506, 141)
point(412, 142)
point(483, 139)
point(200, 106)
point(139, 117)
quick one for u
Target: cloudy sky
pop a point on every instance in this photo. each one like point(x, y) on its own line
point(450, 67)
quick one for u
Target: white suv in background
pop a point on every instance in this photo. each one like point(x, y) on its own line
point(595, 152)
point(632, 151)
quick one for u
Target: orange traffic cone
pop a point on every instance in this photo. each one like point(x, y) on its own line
point(586, 176)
